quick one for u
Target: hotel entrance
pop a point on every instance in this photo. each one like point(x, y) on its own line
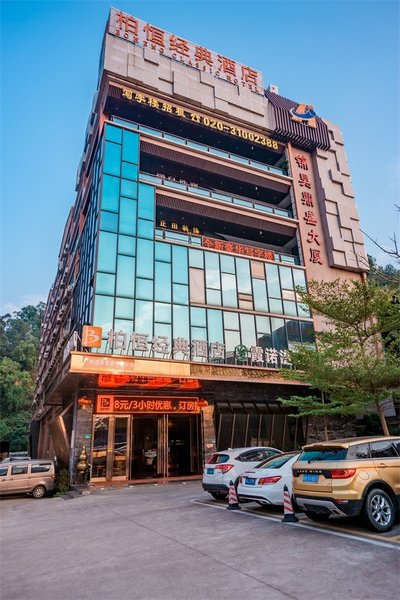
point(145, 446)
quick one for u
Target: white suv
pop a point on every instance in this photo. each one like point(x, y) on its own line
point(227, 465)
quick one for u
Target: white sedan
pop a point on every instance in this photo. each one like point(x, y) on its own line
point(264, 484)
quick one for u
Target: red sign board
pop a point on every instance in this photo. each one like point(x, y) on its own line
point(238, 248)
point(137, 404)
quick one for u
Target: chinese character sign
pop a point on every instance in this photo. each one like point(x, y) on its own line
point(132, 404)
point(177, 48)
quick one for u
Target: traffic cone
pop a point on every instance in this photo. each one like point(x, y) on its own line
point(233, 503)
point(289, 517)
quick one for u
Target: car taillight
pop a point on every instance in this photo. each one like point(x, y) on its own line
point(224, 468)
point(342, 473)
point(266, 480)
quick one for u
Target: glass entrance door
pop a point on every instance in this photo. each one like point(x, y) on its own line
point(110, 448)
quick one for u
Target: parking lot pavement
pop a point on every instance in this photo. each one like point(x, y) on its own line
point(171, 542)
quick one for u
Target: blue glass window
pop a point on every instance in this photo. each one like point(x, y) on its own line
point(180, 322)
point(103, 312)
point(105, 283)
point(227, 264)
point(232, 339)
point(110, 193)
point(275, 306)
point(286, 278)
point(130, 151)
point(126, 276)
point(198, 333)
point(274, 288)
point(162, 312)
point(289, 308)
point(163, 252)
point(278, 334)
point(264, 337)
point(108, 221)
point(212, 270)
point(215, 327)
point(145, 229)
point(107, 252)
point(229, 295)
point(179, 264)
point(127, 216)
point(162, 282)
point(303, 310)
point(213, 297)
point(299, 278)
point(146, 201)
point(144, 289)
point(198, 317)
point(196, 258)
point(113, 134)
point(231, 320)
point(247, 330)
point(124, 325)
point(163, 329)
point(307, 332)
point(124, 308)
point(260, 295)
point(180, 293)
point(145, 258)
point(243, 276)
point(144, 318)
point(128, 188)
point(112, 159)
point(129, 171)
point(126, 245)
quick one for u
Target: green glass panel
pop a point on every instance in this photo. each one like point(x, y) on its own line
point(128, 188)
point(215, 327)
point(110, 193)
point(146, 201)
point(112, 159)
point(145, 229)
point(124, 308)
point(145, 260)
point(198, 317)
point(163, 252)
point(129, 171)
point(162, 282)
point(130, 150)
point(126, 245)
point(105, 283)
point(103, 312)
point(107, 252)
point(162, 312)
point(126, 276)
point(196, 258)
point(179, 264)
point(127, 216)
point(108, 221)
point(180, 293)
point(144, 289)
point(113, 134)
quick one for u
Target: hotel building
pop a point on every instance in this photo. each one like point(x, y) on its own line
point(202, 201)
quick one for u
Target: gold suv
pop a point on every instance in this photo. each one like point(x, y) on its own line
point(350, 477)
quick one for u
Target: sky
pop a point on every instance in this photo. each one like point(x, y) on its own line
point(340, 56)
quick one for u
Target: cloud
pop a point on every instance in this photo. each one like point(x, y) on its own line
point(30, 299)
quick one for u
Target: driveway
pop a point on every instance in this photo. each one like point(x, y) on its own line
point(172, 542)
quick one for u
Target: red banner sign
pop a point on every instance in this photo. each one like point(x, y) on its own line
point(137, 404)
point(238, 248)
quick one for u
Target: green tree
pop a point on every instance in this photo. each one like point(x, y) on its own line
point(348, 364)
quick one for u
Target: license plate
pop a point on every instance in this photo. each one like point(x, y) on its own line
point(210, 471)
point(250, 481)
point(310, 478)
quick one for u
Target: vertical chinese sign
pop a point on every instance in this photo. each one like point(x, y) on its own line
point(308, 214)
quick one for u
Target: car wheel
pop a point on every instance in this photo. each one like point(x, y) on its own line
point(378, 512)
point(219, 495)
point(317, 516)
point(39, 492)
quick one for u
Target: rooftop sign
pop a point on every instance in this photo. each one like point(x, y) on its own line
point(139, 32)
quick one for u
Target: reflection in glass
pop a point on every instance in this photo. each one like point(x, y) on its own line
point(180, 294)
point(129, 171)
point(289, 308)
point(145, 229)
point(126, 276)
point(130, 150)
point(126, 245)
point(144, 289)
point(146, 201)
point(260, 295)
point(162, 312)
point(113, 134)
point(303, 310)
point(232, 339)
point(108, 221)
point(231, 320)
point(127, 216)
point(213, 297)
point(144, 317)
point(196, 258)
point(123, 308)
point(286, 278)
point(197, 292)
point(229, 294)
point(112, 159)
point(198, 333)
point(275, 306)
point(293, 332)
point(243, 275)
point(248, 330)
point(105, 283)
point(215, 327)
point(212, 270)
point(162, 282)
point(126, 326)
point(103, 312)
point(163, 252)
point(227, 264)
point(100, 445)
point(145, 253)
point(198, 317)
point(180, 264)
point(307, 332)
point(278, 334)
point(129, 188)
point(225, 431)
point(274, 288)
point(110, 193)
point(299, 278)
point(164, 330)
point(180, 322)
point(239, 431)
point(120, 447)
point(107, 252)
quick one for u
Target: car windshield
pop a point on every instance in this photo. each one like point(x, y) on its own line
point(276, 462)
point(323, 454)
point(217, 459)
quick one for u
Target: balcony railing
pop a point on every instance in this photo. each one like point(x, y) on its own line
point(266, 208)
point(197, 146)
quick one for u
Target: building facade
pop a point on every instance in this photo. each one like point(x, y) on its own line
point(202, 201)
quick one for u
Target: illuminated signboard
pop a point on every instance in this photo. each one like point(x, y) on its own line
point(238, 248)
point(132, 404)
point(148, 382)
point(195, 117)
point(139, 32)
